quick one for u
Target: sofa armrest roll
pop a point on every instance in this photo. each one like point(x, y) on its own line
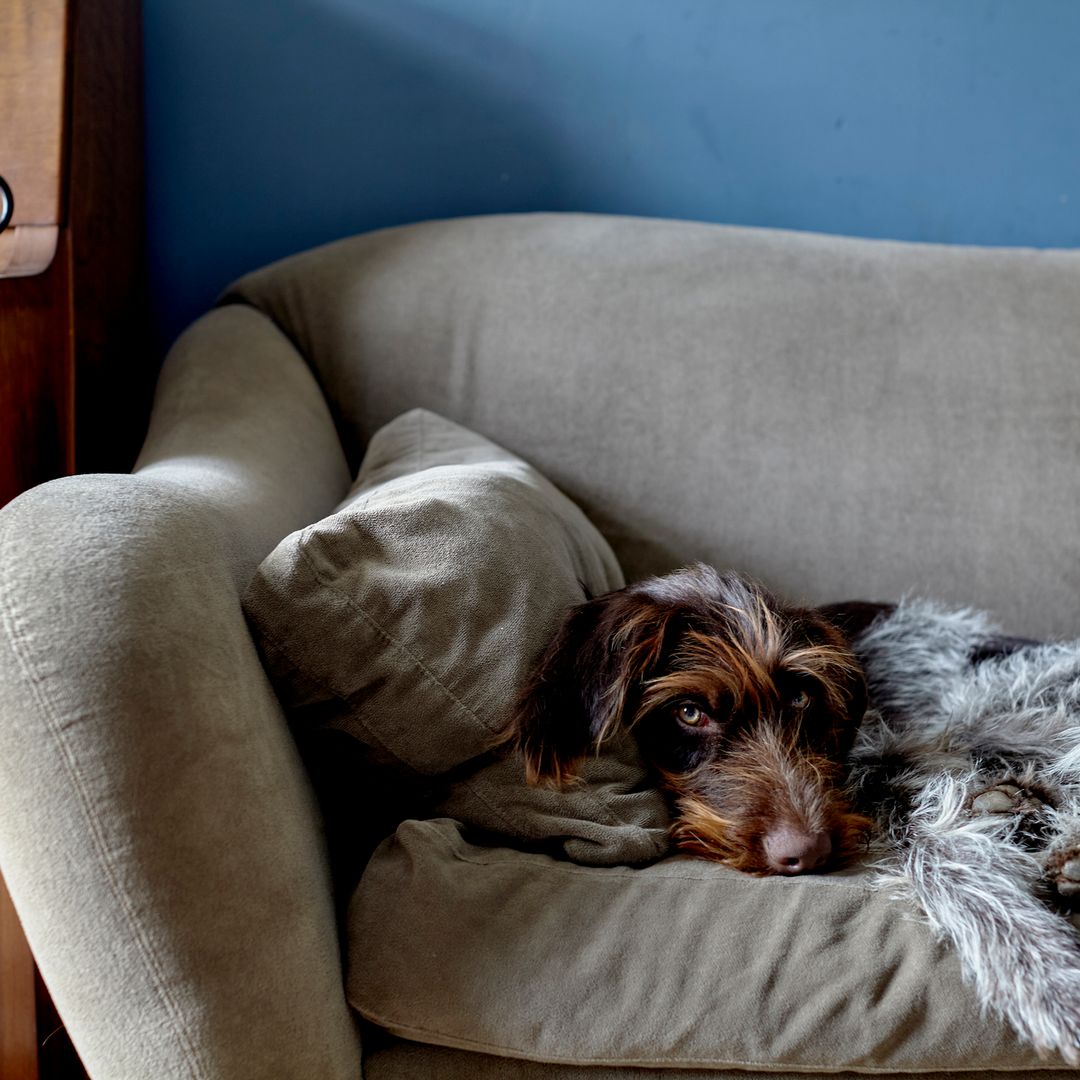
point(158, 834)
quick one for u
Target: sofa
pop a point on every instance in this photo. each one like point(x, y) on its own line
point(841, 418)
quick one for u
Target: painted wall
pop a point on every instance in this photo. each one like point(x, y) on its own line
point(273, 125)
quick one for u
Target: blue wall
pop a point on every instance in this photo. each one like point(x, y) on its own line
point(273, 125)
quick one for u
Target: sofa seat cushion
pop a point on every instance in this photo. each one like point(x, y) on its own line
point(408, 618)
point(682, 964)
point(400, 1059)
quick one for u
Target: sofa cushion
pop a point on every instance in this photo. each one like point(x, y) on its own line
point(387, 1058)
point(836, 417)
point(410, 616)
point(683, 964)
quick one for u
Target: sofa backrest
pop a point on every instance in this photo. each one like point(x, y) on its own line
point(841, 418)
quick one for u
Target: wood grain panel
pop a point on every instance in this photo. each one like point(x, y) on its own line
point(18, 1025)
point(36, 377)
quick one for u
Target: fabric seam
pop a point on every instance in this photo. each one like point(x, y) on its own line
point(411, 1031)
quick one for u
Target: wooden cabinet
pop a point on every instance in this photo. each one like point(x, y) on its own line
point(33, 47)
point(76, 367)
point(76, 370)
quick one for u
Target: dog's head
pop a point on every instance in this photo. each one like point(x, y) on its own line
point(745, 708)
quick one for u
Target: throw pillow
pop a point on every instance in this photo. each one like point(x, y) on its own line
point(410, 617)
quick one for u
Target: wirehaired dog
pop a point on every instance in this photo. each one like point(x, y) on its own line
point(745, 708)
point(970, 761)
point(961, 780)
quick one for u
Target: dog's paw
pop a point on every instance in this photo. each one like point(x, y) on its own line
point(1006, 797)
point(1063, 874)
point(1029, 806)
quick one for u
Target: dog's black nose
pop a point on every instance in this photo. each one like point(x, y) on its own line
point(791, 850)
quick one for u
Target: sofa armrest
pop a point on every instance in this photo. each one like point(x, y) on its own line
point(159, 837)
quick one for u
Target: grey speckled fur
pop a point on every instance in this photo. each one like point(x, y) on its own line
point(943, 730)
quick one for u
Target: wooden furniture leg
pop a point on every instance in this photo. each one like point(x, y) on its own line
point(18, 1019)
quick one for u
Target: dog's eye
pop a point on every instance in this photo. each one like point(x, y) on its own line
point(688, 713)
point(799, 700)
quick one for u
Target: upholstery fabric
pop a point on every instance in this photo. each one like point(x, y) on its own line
point(158, 834)
point(410, 617)
point(400, 1059)
point(683, 964)
point(837, 417)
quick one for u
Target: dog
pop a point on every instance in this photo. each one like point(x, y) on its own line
point(794, 740)
point(745, 708)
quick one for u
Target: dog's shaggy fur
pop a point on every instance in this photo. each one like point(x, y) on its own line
point(969, 759)
point(752, 715)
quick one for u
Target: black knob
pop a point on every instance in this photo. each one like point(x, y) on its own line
point(7, 204)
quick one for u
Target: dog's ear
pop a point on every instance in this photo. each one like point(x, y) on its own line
point(587, 683)
point(850, 619)
point(857, 700)
point(847, 696)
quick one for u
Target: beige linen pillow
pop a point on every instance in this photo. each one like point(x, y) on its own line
point(410, 617)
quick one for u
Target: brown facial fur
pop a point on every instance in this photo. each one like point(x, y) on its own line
point(773, 696)
point(724, 809)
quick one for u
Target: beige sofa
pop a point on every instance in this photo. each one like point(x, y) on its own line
point(841, 418)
